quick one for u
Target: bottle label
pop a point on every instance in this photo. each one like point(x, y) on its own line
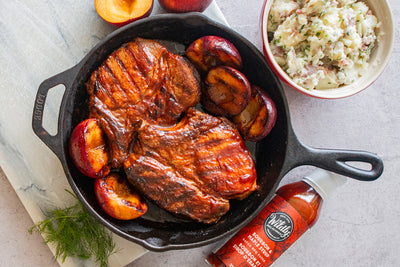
point(265, 238)
point(278, 226)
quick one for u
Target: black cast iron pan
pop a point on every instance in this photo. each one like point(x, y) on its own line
point(275, 155)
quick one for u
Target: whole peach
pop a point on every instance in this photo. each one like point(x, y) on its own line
point(183, 6)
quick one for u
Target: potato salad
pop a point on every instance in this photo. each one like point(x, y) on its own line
point(322, 44)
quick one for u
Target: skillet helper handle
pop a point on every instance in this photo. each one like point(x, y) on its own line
point(337, 161)
point(52, 141)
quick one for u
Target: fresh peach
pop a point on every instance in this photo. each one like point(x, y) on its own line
point(122, 12)
point(88, 149)
point(117, 198)
point(226, 91)
point(211, 51)
point(258, 118)
point(183, 6)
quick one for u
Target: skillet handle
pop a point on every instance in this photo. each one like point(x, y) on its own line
point(52, 141)
point(336, 161)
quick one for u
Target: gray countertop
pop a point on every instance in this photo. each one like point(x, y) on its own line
point(358, 225)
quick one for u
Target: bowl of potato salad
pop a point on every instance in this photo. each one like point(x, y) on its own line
point(327, 48)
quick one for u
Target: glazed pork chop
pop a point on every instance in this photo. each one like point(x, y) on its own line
point(140, 81)
point(192, 168)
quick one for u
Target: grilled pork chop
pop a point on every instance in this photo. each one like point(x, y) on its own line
point(140, 81)
point(192, 168)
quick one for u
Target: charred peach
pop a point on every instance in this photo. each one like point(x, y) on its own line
point(258, 118)
point(211, 51)
point(226, 91)
point(117, 198)
point(88, 150)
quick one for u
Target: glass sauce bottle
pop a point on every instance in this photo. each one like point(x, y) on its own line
point(293, 210)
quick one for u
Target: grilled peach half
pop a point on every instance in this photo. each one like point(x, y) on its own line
point(88, 149)
point(226, 91)
point(259, 116)
point(211, 51)
point(121, 12)
point(117, 198)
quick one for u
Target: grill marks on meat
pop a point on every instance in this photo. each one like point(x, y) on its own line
point(140, 81)
point(192, 168)
point(173, 192)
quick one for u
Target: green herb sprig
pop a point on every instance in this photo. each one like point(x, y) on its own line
point(75, 233)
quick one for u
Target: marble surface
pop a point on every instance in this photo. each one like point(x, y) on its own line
point(38, 40)
point(358, 225)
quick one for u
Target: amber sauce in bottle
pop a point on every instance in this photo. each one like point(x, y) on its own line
point(293, 210)
point(304, 199)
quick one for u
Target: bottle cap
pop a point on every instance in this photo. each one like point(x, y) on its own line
point(324, 182)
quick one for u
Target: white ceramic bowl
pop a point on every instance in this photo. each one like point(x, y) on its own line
point(379, 57)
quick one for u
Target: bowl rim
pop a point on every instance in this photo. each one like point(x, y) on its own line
point(321, 94)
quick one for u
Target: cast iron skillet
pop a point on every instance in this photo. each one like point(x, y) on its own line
point(275, 155)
